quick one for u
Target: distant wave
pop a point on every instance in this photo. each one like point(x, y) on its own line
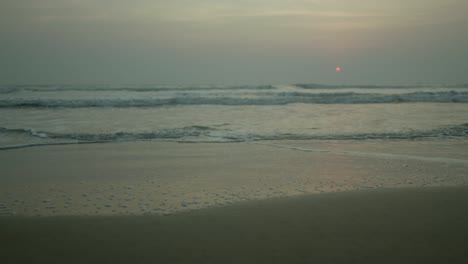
point(190, 135)
point(376, 86)
point(146, 88)
point(265, 99)
point(13, 89)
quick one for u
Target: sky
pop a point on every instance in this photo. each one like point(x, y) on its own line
point(234, 42)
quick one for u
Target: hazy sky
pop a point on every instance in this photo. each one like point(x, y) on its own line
point(233, 41)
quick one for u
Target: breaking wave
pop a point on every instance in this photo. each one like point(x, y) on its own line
point(203, 134)
point(327, 86)
point(282, 98)
point(46, 88)
point(193, 131)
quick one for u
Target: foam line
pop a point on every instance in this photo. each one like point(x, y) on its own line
point(264, 99)
point(367, 154)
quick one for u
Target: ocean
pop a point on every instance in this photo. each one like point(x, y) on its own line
point(132, 150)
point(32, 115)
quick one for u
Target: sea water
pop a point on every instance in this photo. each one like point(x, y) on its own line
point(33, 115)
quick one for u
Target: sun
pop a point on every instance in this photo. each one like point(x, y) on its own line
point(338, 69)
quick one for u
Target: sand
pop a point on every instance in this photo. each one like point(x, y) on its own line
point(135, 178)
point(405, 225)
point(373, 201)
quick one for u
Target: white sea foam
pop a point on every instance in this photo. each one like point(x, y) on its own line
point(281, 98)
point(37, 115)
point(199, 134)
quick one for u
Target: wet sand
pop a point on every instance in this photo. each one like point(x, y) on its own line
point(406, 225)
point(136, 178)
point(372, 201)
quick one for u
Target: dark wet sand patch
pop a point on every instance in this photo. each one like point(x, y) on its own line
point(413, 225)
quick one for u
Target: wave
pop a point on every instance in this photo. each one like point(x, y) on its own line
point(367, 86)
point(192, 131)
point(203, 134)
point(14, 89)
point(4, 89)
point(447, 132)
point(266, 99)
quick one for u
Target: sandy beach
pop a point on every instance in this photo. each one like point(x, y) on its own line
point(135, 178)
point(405, 225)
point(373, 201)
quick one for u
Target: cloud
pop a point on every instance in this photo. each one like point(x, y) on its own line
point(358, 14)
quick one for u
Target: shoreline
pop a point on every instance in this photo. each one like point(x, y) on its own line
point(134, 178)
